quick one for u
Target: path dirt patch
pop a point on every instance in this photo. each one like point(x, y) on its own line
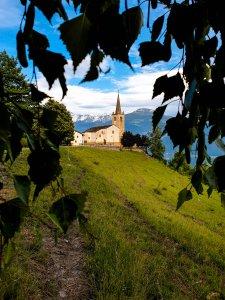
point(64, 270)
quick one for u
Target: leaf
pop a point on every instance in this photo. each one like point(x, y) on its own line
point(151, 52)
point(10, 218)
point(219, 167)
point(91, 75)
point(154, 4)
point(67, 209)
point(44, 166)
point(22, 186)
point(133, 22)
point(37, 41)
point(166, 2)
point(210, 177)
point(196, 181)
point(23, 2)
point(5, 123)
point(159, 85)
point(29, 24)
point(157, 27)
point(157, 115)
point(113, 39)
point(214, 134)
point(51, 65)
point(183, 196)
point(209, 191)
point(21, 49)
point(49, 8)
point(77, 35)
point(174, 86)
point(36, 95)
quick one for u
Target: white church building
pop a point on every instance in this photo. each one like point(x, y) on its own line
point(103, 135)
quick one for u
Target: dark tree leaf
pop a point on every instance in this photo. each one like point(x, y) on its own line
point(36, 95)
point(51, 65)
point(91, 75)
point(44, 166)
point(10, 218)
point(183, 196)
point(187, 154)
point(14, 145)
point(29, 24)
point(222, 197)
point(50, 7)
point(157, 27)
point(67, 209)
point(151, 52)
point(209, 191)
point(77, 35)
point(1, 185)
point(159, 85)
point(22, 186)
point(154, 3)
point(37, 41)
point(157, 115)
point(21, 49)
point(133, 22)
point(166, 2)
point(5, 123)
point(174, 86)
point(23, 2)
point(219, 167)
point(214, 133)
point(113, 38)
point(196, 181)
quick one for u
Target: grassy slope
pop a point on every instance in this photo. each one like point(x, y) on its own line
point(143, 248)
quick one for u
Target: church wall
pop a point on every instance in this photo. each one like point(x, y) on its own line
point(78, 139)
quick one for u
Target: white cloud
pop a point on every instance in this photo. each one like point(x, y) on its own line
point(135, 92)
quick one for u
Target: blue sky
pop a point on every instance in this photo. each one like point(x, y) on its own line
point(96, 97)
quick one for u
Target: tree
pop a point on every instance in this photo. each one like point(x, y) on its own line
point(63, 127)
point(128, 139)
point(178, 163)
point(156, 146)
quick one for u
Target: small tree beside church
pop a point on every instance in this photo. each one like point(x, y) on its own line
point(63, 127)
point(156, 147)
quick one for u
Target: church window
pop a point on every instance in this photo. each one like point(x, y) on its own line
point(113, 132)
point(114, 118)
point(99, 135)
point(89, 138)
point(102, 132)
point(121, 118)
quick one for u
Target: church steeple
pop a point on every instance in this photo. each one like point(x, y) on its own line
point(118, 118)
point(118, 106)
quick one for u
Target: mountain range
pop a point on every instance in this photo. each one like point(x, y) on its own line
point(138, 121)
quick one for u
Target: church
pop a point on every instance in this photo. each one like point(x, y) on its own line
point(104, 135)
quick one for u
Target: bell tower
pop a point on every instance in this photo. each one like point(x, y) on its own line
point(118, 117)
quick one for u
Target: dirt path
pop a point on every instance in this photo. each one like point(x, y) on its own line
point(64, 274)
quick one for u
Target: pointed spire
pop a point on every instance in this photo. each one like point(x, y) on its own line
point(118, 107)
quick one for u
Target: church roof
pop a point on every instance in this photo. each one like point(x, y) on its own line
point(97, 128)
point(118, 106)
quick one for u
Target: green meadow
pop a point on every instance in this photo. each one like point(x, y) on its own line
point(141, 247)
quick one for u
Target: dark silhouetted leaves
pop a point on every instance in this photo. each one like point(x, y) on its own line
point(10, 218)
point(219, 167)
point(214, 133)
point(21, 49)
point(29, 24)
point(133, 22)
point(183, 196)
point(37, 41)
point(67, 209)
point(196, 181)
point(36, 95)
point(209, 48)
point(22, 186)
point(49, 8)
point(154, 4)
point(51, 65)
point(171, 86)
point(222, 198)
point(77, 35)
point(44, 167)
point(157, 27)
point(151, 52)
point(157, 115)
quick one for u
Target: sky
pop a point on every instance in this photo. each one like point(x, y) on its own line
point(97, 97)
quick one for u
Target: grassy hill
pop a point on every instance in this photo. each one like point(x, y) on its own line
point(142, 248)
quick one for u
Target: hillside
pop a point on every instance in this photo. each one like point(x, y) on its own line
point(139, 247)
